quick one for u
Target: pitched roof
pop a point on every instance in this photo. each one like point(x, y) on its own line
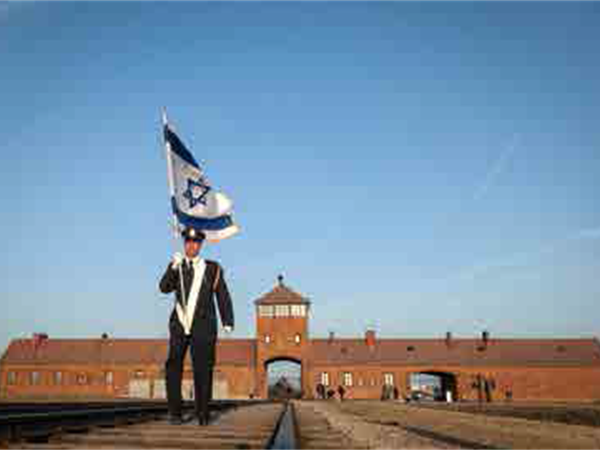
point(281, 294)
point(339, 351)
point(464, 352)
point(115, 351)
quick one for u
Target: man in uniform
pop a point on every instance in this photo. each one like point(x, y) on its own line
point(193, 322)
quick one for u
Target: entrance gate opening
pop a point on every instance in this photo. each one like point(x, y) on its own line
point(284, 378)
point(433, 386)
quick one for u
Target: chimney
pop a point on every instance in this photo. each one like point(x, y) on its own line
point(448, 339)
point(39, 339)
point(485, 337)
point(370, 338)
point(331, 336)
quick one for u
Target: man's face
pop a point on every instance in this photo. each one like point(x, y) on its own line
point(192, 248)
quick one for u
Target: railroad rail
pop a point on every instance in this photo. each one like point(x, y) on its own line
point(234, 424)
point(106, 423)
point(279, 425)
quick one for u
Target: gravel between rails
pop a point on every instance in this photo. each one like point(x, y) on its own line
point(587, 414)
point(363, 434)
point(499, 432)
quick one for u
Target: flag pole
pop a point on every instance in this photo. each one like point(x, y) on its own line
point(175, 220)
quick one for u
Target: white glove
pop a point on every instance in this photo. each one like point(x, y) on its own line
point(177, 260)
point(227, 329)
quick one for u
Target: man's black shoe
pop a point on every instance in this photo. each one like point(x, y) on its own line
point(187, 418)
point(175, 420)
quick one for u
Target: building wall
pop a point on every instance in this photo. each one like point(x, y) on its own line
point(125, 381)
point(77, 381)
point(525, 383)
point(535, 383)
point(239, 381)
point(282, 344)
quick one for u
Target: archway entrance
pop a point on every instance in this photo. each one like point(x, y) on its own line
point(284, 378)
point(433, 385)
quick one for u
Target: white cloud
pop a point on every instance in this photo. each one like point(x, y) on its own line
point(588, 233)
point(497, 168)
point(522, 259)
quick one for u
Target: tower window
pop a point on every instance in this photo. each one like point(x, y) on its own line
point(58, 378)
point(267, 338)
point(265, 310)
point(35, 378)
point(388, 379)
point(11, 378)
point(347, 379)
point(298, 310)
point(297, 338)
point(282, 310)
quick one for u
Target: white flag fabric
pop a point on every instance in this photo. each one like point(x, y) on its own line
point(195, 203)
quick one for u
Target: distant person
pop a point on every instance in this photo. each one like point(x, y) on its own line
point(330, 394)
point(487, 388)
point(321, 391)
point(341, 392)
point(193, 322)
point(384, 392)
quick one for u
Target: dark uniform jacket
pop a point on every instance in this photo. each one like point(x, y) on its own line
point(205, 317)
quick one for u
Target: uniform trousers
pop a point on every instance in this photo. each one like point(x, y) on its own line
point(202, 349)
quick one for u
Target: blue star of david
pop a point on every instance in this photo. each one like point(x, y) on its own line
point(191, 187)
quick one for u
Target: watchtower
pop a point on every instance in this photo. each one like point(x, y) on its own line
point(281, 331)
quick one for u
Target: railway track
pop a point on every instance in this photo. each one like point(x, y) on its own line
point(233, 425)
point(241, 425)
point(278, 425)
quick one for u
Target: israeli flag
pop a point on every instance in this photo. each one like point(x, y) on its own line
point(195, 203)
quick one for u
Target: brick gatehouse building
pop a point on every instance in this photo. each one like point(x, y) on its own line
point(484, 368)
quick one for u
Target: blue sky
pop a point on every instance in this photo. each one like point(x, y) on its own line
point(413, 167)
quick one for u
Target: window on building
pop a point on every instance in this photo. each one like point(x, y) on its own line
point(267, 338)
point(265, 310)
point(298, 310)
point(324, 378)
point(297, 338)
point(372, 381)
point(108, 377)
point(34, 377)
point(58, 378)
point(347, 379)
point(282, 310)
point(388, 379)
point(11, 378)
point(360, 382)
point(82, 378)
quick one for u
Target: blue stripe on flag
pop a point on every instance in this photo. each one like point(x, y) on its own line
point(199, 223)
point(178, 147)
